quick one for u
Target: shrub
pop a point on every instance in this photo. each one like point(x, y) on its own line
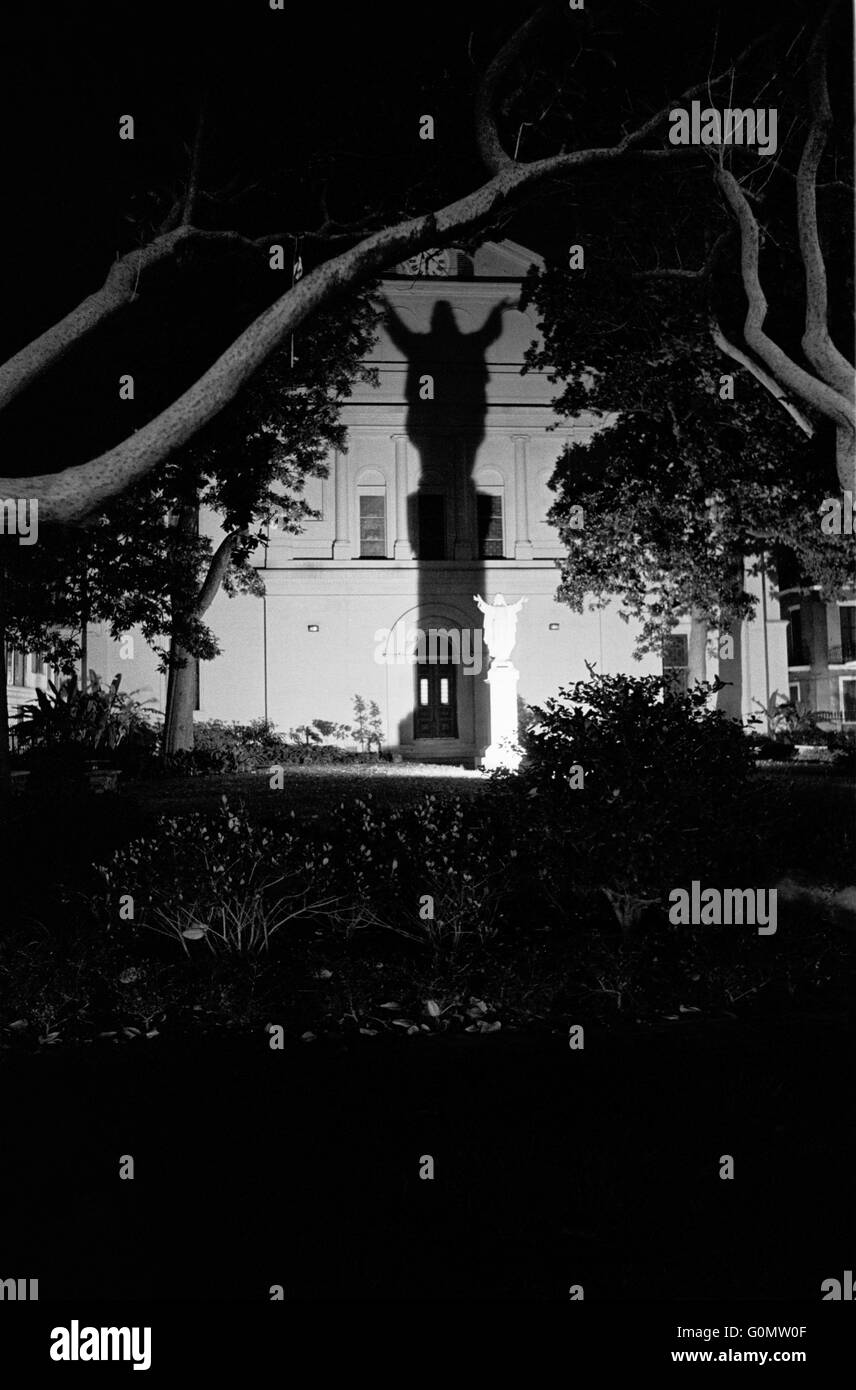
point(663, 779)
point(843, 744)
point(71, 721)
point(231, 747)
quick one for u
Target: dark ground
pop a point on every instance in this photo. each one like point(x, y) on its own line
point(257, 1167)
point(300, 1167)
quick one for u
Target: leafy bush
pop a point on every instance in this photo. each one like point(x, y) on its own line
point(231, 747)
point(94, 720)
point(663, 780)
point(256, 747)
point(381, 865)
point(843, 743)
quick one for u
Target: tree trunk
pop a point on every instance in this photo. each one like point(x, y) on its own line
point(180, 701)
point(697, 647)
point(181, 680)
point(84, 628)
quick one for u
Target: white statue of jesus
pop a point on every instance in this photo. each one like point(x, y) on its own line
point(500, 626)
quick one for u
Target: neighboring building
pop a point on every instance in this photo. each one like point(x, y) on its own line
point(442, 494)
point(822, 655)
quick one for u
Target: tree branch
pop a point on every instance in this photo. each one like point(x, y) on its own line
point(74, 493)
point(767, 381)
point(216, 572)
point(825, 398)
point(118, 291)
point(678, 273)
point(828, 362)
point(491, 148)
point(192, 195)
point(496, 157)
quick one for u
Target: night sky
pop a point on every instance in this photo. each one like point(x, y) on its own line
point(300, 106)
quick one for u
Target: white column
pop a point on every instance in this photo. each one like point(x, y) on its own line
point(522, 544)
point(402, 548)
point(342, 542)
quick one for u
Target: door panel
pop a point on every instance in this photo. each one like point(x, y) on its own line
point(436, 713)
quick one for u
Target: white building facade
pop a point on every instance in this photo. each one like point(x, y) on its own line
point(442, 494)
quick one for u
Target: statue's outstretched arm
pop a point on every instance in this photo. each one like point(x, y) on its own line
point(491, 329)
point(398, 331)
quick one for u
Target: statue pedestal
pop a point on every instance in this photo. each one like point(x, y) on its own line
point(504, 750)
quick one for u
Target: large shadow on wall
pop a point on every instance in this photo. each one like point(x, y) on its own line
point(450, 528)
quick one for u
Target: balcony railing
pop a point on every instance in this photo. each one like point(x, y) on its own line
point(839, 655)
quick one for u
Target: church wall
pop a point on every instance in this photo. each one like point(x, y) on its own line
point(317, 638)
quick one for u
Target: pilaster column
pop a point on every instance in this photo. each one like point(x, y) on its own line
point(342, 549)
point(402, 548)
point(522, 544)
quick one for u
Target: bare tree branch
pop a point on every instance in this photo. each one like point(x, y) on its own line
point(825, 398)
point(192, 196)
point(767, 381)
point(74, 493)
point(490, 146)
point(817, 345)
point(679, 273)
point(494, 154)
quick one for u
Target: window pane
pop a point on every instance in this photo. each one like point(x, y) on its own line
point(676, 650)
point(848, 689)
point(796, 648)
point(423, 692)
point(489, 517)
point(432, 526)
point(372, 526)
point(444, 691)
point(847, 614)
point(16, 665)
point(676, 660)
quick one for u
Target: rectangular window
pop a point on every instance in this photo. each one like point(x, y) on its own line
point(848, 701)
point(847, 614)
point(372, 526)
point(16, 666)
point(794, 692)
point(676, 662)
point(489, 518)
point(432, 526)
